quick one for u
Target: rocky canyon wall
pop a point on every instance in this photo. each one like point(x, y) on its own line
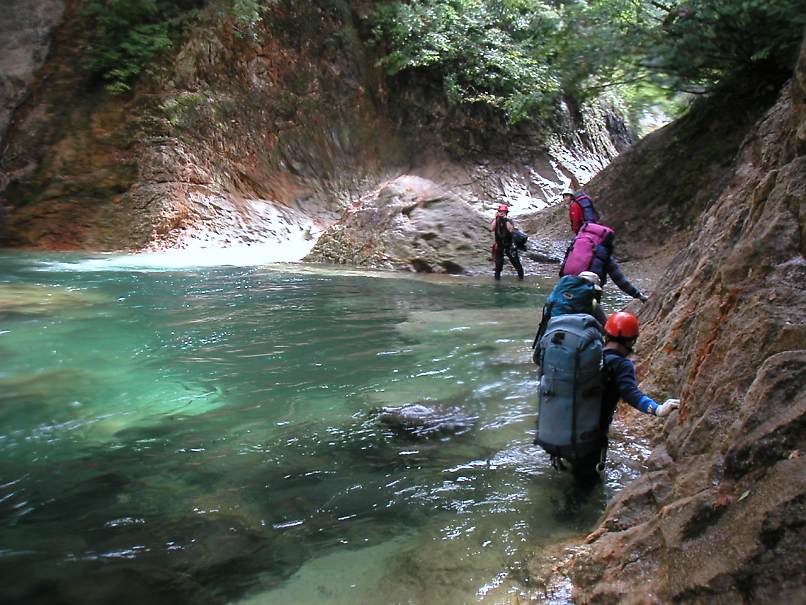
point(719, 516)
point(242, 140)
point(25, 31)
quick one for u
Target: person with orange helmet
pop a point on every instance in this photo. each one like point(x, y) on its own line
point(503, 228)
point(621, 332)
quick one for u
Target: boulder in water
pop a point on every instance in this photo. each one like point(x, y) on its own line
point(422, 420)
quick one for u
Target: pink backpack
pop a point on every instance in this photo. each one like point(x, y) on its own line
point(580, 253)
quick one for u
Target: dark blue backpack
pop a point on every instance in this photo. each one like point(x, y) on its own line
point(601, 257)
point(589, 213)
point(519, 238)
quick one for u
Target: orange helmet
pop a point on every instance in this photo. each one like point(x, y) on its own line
point(622, 325)
point(503, 208)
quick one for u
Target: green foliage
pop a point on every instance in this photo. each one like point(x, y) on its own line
point(247, 14)
point(179, 109)
point(129, 35)
point(484, 51)
point(646, 105)
point(520, 55)
point(704, 41)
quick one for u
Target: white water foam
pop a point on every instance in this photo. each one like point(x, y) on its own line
point(246, 255)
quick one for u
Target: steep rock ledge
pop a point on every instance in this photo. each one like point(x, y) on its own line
point(720, 515)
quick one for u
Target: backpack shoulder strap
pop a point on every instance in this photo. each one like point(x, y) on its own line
point(544, 320)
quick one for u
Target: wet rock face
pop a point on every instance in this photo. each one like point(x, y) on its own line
point(234, 142)
point(25, 27)
point(410, 224)
point(422, 421)
point(722, 518)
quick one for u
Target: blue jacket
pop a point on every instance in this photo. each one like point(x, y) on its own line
point(620, 383)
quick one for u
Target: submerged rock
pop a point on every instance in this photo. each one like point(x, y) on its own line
point(23, 299)
point(421, 420)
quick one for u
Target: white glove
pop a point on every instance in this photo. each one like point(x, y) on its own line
point(666, 408)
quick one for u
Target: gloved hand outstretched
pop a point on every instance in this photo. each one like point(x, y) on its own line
point(643, 297)
point(666, 408)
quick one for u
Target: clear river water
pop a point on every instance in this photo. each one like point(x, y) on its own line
point(210, 434)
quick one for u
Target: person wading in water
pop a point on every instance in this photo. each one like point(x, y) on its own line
point(619, 383)
point(503, 229)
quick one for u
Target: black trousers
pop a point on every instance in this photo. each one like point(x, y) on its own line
point(512, 255)
point(584, 469)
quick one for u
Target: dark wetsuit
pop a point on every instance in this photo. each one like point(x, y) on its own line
point(504, 245)
point(604, 264)
point(619, 382)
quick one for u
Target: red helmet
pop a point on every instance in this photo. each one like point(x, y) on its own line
point(503, 208)
point(622, 325)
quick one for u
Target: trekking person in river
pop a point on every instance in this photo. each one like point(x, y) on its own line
point(580, 209)
point(581, 383)
point(592, 250)
point(503, 228)
point(619, 380)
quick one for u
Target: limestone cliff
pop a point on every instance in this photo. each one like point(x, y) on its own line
point(240, 140)
point(719, 516)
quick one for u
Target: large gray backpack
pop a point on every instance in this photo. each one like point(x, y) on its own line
point(570, 390)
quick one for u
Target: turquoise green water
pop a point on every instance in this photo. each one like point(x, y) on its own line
point(208, 435)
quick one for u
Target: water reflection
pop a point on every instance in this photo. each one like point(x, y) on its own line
point(213, 436)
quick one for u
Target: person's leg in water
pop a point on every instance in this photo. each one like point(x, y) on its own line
point(514, 258)
point(584, 485)
point(498, 255)
point(585, 472)
point(585, 480)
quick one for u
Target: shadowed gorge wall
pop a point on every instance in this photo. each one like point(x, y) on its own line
point(25, 28)
point(719, 517)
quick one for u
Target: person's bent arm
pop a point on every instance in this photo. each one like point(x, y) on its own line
point(492, 224)
point(624, 375)
point(615, 273)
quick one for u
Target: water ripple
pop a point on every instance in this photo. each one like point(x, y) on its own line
point(221, 424)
